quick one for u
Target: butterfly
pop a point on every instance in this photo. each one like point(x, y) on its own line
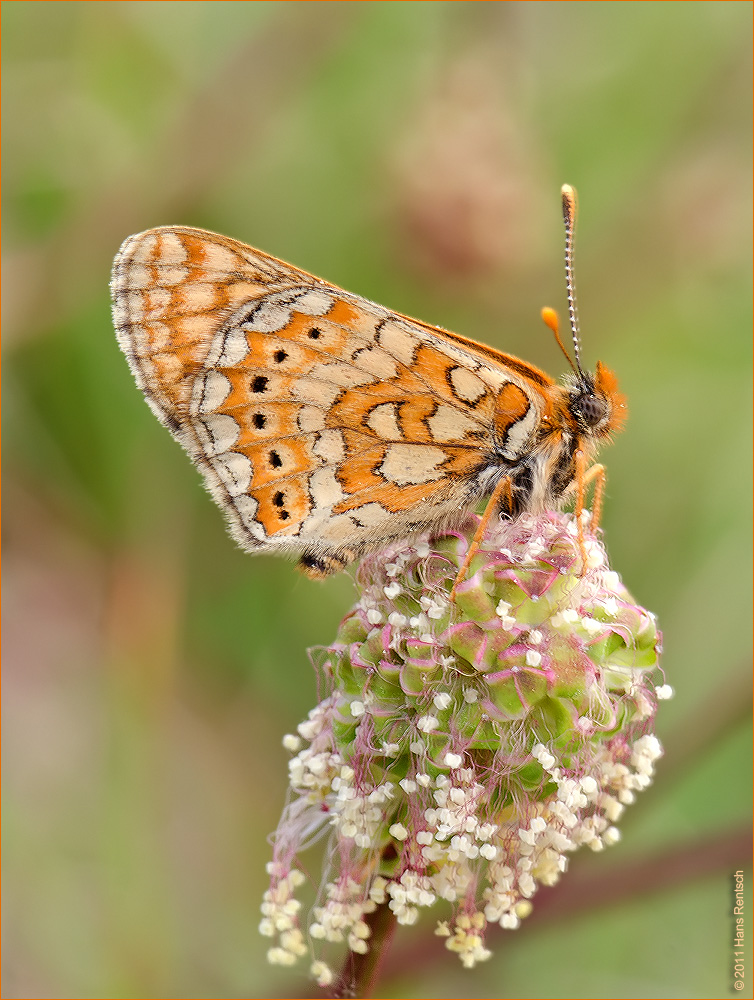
point(327, 426)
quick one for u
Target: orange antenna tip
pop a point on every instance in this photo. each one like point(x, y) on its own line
point(568, 195)
point(550, 318)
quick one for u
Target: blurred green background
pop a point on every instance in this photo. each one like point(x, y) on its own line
point(411, 152)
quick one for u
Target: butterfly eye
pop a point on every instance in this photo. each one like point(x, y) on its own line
point(589, 409)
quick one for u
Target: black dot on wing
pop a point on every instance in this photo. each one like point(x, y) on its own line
point(259, 420)
point(259, 383)
point(275, 460)
point(280, 356)
point(314, 333)
point(278, 500)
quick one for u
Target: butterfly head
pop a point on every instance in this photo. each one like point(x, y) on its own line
point(595, 403)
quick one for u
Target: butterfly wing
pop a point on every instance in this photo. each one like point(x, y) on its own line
point(324, 424)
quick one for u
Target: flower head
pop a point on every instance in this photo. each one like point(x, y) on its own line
point(465, 748)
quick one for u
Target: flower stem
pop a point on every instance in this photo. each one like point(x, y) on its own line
point(359, 972)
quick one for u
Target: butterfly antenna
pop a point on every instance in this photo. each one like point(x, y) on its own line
point(550, 319)
point(569, 217)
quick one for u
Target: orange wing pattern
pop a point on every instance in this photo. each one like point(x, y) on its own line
point(324, 424)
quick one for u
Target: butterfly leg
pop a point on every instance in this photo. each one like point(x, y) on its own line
point(584, 477)
point(503, 489)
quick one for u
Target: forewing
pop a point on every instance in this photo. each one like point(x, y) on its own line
point(320, 420)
